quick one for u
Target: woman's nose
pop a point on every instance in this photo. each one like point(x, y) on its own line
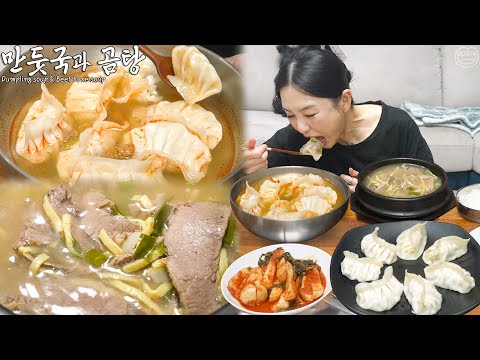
point(302, 126)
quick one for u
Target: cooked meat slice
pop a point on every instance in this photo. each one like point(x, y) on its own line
point(36, 232)
point(121, 260)
point(193, 241)
point(61, 200)
point(68, 296)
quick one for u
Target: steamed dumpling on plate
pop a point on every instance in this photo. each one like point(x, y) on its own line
point(380, 295)
point(196, 119)
point(450, 276)
point(360, 269)
point(43, 130)
point(447, 248)
point(374, 246)
point(312, 147)
point(195, 78)
point(411, 242)
point(421, 294)
point(173, 142)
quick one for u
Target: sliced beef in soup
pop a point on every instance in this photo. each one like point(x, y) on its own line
point(57, 296)
point(193, 241)
point(36, 233)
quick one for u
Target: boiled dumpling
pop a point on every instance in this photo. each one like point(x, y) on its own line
point(175, 143)
point(323, 191)
point(196, 119)
point(421, 294)
point(447, 248)
point(86, 101)
point(450, 276)
point(45, 126)
point(279, 207)
point(360, 269)
point(312, 147)
point(100, 139)
point(269, 190)
point(77, 168)
point(195, 78)
point(142, 87)
point(315, 204)
point(374, 246)
point(380, 295)
point(250, 201)
point(411, 242)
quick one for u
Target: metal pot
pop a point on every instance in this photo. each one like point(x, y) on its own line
point(409, 208)
point(289, 230)
point(14, 95)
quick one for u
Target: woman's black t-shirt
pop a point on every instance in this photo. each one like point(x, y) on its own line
point(396, 135)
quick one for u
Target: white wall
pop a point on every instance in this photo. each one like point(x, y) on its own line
point(426, 74)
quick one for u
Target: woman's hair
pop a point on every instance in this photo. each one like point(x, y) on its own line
point(312, 69)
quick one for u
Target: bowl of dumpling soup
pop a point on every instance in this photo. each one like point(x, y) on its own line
point(86, 126)
point(403, 188)
point(289, 203)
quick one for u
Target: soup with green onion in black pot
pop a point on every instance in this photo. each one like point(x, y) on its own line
point(402, 181)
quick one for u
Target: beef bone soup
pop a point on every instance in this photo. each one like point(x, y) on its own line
point(402, 181)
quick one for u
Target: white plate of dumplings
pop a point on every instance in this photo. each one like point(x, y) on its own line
point(407, 267)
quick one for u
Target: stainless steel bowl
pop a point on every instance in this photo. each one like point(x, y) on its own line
point(284, 230)
point(13, 96)
point(467, 212)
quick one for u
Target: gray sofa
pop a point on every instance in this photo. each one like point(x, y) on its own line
point(424, 74)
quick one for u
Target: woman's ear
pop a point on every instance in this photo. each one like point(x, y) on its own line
point(346, 100)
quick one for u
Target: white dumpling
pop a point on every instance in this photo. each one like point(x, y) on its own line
point(77, 168)
point(100, 139)
point(312, 147)
point(250, 201)
point(279, 207)
point(374, 246)
point(360, 269)
point(172, 141)
point(269, 190)
point(195, 78)
point(421, 294)
point(142, 87)
point(447, 248)
point(306, 181)
point(323, 191)
point(44, 128)
point(314, 204)
point(411, 242)
point(196, 119)
point(450, 276)
point(86, 101)
point(380, 295)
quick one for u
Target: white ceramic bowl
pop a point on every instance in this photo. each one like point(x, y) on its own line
point(298, 251)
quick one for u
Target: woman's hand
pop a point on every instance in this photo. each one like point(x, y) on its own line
point(255, 157)
point(351, 180)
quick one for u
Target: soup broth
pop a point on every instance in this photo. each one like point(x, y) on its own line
point(402, 181)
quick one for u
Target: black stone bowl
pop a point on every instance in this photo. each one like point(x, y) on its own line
point(408, 208)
